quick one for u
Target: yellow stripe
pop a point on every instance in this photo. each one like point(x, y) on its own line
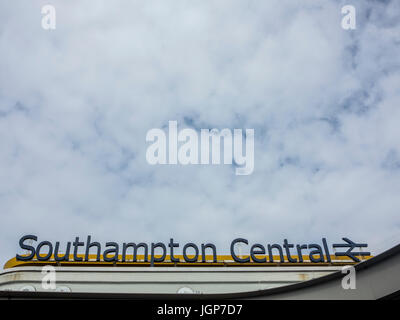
point(222, 260)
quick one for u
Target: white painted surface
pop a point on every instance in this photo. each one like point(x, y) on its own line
point(162, 279)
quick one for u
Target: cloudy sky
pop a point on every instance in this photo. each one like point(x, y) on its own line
point(76, 104)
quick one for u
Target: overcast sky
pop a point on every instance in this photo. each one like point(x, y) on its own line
point(76, 104)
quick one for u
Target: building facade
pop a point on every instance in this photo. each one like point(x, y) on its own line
point(167, 277)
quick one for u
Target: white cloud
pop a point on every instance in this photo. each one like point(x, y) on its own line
point(76, 103)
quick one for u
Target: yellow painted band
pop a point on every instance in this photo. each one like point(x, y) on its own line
point(222, 260)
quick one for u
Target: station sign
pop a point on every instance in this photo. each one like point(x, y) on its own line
point(191, 253)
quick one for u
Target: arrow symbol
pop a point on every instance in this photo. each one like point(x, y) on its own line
point(351, 245)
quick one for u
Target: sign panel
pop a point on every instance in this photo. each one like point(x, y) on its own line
point(191, 253)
